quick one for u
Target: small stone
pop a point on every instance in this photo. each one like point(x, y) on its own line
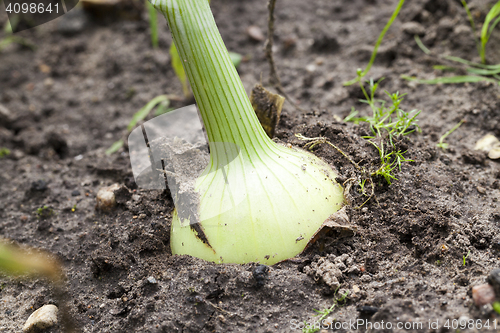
point(259, 274)
point(75, 193)
point(483, 294)
point(494, 153)
point(72, 23)
point(151, 280)
point(106, 199)
point(413, 28)
point(39, 186)
point(48, 82)
point(255, 33)
point(494, 280)
point(481, 190)
point(355, 289)
point(44, 317)
point(142, 216)
point(6, 116)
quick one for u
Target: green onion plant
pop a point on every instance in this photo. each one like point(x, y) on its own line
point(267, 201)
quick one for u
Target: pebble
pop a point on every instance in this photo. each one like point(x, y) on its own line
point(413, 28)
point(106, 199)
point(259, 274)
point(255, 33)
point(151, 280)
point(483, 294)
point(5, 116)
point(494, 280)
point(42, 318)
point(75, 193)
point(481, 190)
point(72, 23)
point(39, 186)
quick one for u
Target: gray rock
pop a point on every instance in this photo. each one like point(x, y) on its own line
point(72, 23)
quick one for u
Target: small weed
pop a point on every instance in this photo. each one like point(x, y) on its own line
point(387, 119)
point(465, 258)
point(443, 145)
point(308, 328)
point(496, 307)
point(4, 152)
point(44, 212)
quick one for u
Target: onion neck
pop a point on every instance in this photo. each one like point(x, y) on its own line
point(224, 106)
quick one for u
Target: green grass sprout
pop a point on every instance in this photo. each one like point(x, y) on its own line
point(4, 152)
point(493, 15)
point(479, 72)
point(496, 307)
point(465, 258)
point(472, 24)
point(176, 63)
point(377, 45)
point(153, 24)
point(443, 145)
point(162, 101)
point(323, 314)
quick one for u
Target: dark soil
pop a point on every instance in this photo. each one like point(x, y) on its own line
point(72, 97)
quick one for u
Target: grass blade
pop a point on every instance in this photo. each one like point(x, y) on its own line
point(179, 69)
point(115, 147)
point(486, 30)
point(145, 110)
point(473, 26)
point(377, 44)
point(153, 24)
point(451, 79)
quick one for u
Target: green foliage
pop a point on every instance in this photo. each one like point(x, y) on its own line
point(44, 212)
point(16, 261)
point(443, 145)
point(451, 79)
point(9, 39)
point(153, 24)
point(4, 152)
point(496, 307)
point(363, 73)
point(161, 101)
point(323, 314)
point(464, 258)
point(179, 69)
point(478, 71)
point(235, 58)
point(387, 119)
point(493, 15)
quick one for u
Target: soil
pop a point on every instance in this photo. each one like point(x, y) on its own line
point(73, 96)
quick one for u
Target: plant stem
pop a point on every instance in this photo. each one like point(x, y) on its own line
point(377, 44)
point(224, 106)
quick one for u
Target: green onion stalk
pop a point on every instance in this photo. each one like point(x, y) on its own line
point(258, 201)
